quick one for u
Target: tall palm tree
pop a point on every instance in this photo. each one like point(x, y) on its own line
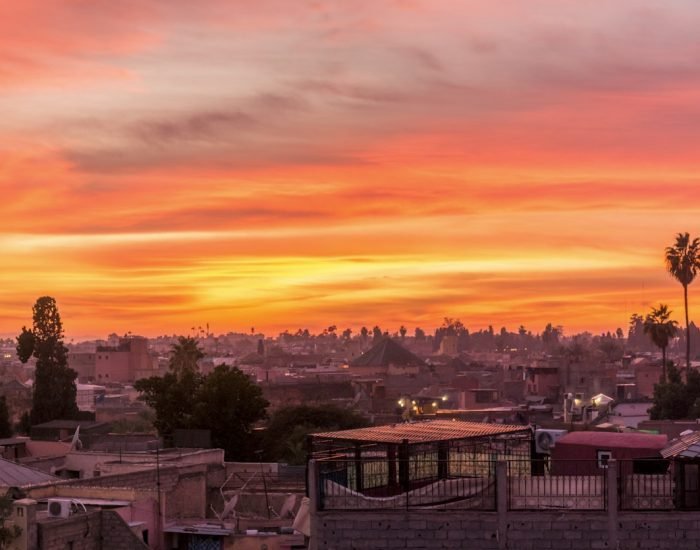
point(660, 329)
point(184, 355)
point(682, 262)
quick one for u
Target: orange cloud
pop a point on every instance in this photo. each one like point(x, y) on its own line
point(280, 165)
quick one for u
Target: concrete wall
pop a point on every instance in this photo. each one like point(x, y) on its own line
point(112, 366)
point(95, 530)
point(78, 532)
point(505, 529)
point(522, 530)
point(188, 499)
point(117, 535)
point(24, 517)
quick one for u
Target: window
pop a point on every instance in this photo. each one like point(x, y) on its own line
point(603, 457)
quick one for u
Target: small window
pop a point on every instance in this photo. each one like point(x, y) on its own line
point(20, 512)
point(603, 458)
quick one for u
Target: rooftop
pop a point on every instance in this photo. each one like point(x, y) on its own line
point(16, 475)
point(387, 352)
point(423, 432)
point(686, 446)
point(614, 439)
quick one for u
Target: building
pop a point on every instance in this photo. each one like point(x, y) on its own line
point(18, 397)
point(579, 453)
point(126, 362)
point(387, 357)
point(504, 506)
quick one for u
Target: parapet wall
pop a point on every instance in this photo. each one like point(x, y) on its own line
point(361, 529)
point(429, 530)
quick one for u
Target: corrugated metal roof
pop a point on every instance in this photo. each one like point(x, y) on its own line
point(423, 432)
point(16, 475)
point(686, 446)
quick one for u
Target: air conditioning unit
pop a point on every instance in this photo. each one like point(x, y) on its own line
point(59, 507)
point(545, 439)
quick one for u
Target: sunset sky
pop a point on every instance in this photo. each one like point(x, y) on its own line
point(284, 164)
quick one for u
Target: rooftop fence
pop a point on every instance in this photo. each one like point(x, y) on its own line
point(470, 482)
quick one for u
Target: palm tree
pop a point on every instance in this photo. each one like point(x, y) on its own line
point(184, 355)
point(660, 329)
point(682, 262)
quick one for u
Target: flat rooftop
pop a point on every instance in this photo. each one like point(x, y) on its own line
point(423, 432)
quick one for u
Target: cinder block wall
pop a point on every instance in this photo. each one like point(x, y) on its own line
point(523, 530)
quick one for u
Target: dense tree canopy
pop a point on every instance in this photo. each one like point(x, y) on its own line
point(660, 328)
point(285, 437)
point(673, 399)
point(226, 402)
point(54, 393)
point(229, 403)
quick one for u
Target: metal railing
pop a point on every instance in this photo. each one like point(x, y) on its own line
point(417, 482)
point(566, 485)
point(646, 485)
point(423, 481)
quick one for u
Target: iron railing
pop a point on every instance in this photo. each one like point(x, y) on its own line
point(424, 481)
point(568, 485)
point(646, 484)
point(417, 482)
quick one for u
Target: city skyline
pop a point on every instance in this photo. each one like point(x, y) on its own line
point(285, 165)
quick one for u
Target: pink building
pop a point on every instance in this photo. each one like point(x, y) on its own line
point(126, 362)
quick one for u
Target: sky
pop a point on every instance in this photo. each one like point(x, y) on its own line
point(282, 165)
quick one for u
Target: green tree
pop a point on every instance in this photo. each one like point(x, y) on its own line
point(143, 422)
point(5, 426)
point(184, 355)
point(173, 400)
point(229, 404)
point(674, 399)
point(287, 431)
point(682, 262)
point(550, 337)
point(660, 328)
point(669, 397)
point(226, 402)
point(54, 382)
point(636, 337)
point(610, 347)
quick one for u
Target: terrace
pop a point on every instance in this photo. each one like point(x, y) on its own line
point(462, 465)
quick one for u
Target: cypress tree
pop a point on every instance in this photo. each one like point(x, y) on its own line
point(54, 395)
